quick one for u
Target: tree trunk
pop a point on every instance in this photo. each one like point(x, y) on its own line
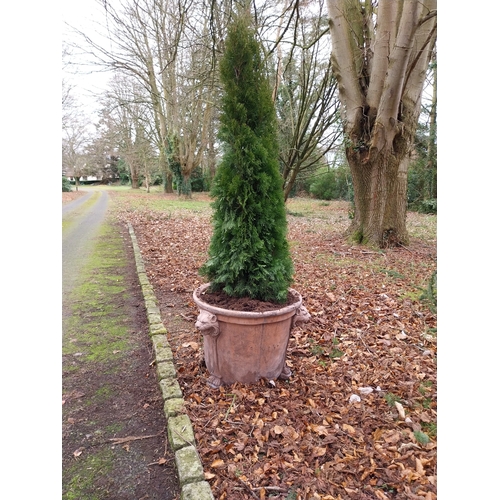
point(380, 193)
point(290, 182)
point(186, 190)
point(167, 182)
point(165, 172)
point(211, 153)
point(212, 163)
point(134, 174)
point(432, 148)
point(380, 65)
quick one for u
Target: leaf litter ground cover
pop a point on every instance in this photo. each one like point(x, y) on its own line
point(357, 419)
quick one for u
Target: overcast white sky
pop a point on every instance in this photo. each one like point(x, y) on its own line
point(82, 15)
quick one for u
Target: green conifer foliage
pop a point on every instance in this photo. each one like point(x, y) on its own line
point(249, 254)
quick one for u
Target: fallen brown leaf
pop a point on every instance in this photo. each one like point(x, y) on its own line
point(358, 314)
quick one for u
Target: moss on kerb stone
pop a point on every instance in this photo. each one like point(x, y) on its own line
point(148, 295)
point(152, 307)
point(154, 319)
point(189, 466)
point(153, 311)
point(162, 348)
point(170, 388)
point(173, 407)
point(143, 279)
point(179, 427)
point(148, 292)
point(157, 329)
point(197, 491)
point(166, 369)
point(180, 432)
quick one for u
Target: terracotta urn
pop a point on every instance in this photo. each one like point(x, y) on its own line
point(245, 346)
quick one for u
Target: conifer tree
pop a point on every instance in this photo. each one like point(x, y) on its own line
point(248, 254)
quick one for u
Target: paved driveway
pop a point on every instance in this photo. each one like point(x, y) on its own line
point(81, 221)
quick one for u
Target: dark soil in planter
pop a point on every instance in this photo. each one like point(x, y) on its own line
point(224, 301)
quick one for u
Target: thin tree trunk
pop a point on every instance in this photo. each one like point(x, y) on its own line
point(165, 171)
point(432, 150)
point(168, 185)
point(211, 155)
point(291, 182)
point(134, 174)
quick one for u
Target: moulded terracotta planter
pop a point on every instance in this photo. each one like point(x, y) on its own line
point(243, 346)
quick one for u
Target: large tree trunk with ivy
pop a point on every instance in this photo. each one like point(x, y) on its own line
point(380, 52)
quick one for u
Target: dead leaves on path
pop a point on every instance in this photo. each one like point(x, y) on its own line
point(357, 419)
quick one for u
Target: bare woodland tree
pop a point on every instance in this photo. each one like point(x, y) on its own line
point(127, 123)
point(74, 132)
point(293, 34)
point(68, 102)
point(160, 45)
point(192, 101)
point(74, 155)
point(305, 93)
point(75, 138)
point(381, 52)
point(172, 49)
point(103, 156)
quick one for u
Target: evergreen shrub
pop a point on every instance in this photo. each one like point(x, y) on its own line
point(66, 185)
point(427, 206)
point(333, 184)
point(200, 180)
point(249, 254)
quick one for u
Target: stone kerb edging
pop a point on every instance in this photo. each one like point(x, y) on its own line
point(179, 427)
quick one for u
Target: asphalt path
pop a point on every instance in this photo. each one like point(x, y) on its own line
point(83, 218)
